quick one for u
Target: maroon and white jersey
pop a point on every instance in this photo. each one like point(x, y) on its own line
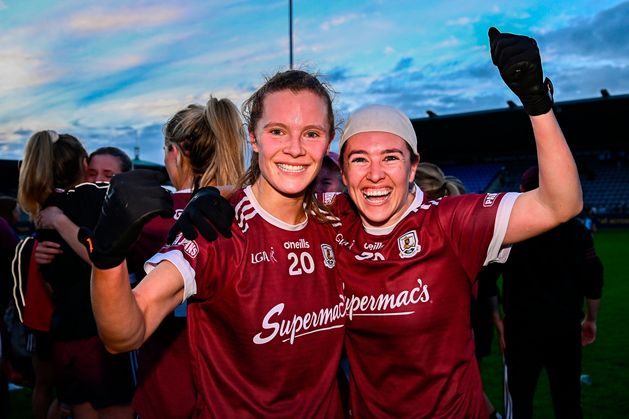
point(408, 289)
point(265, 316)
point(165, 387)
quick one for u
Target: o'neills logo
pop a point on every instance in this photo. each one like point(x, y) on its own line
point(274, 326)
point(301, 244)
point(381, 305)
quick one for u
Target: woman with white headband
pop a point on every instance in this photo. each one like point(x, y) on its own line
point(410, 262)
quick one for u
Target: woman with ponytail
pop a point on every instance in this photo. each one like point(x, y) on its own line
point(277, 268)
point(91, 381)
point(203, 146)
point(435, 184)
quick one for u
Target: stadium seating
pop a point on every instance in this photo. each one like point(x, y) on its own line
point(475, 177)
point(605, 183)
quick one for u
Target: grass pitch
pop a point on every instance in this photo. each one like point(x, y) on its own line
point(607, 359)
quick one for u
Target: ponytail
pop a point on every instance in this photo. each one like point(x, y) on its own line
point(212, 140)
point(432, 181)
point(228, 138)
point(50, 161)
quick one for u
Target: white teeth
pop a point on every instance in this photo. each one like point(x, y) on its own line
point(374, 193)
point(291, 168)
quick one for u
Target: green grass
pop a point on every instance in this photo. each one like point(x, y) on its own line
point(607, 359)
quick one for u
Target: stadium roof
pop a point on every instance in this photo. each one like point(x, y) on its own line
point(599, 123)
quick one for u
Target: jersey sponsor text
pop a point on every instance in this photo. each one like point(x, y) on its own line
point(300, 325)
point(381, 305)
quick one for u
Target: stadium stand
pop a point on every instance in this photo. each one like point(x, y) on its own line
point(475, 177)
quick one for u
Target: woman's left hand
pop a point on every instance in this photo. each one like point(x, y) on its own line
point(48, 217)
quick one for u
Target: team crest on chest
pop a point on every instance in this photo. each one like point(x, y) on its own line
point(408, 244)
point(328, 256)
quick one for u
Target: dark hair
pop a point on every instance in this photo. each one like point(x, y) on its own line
point(125, 161)
point(50, 161)
point(252, 109)
point(7, 205)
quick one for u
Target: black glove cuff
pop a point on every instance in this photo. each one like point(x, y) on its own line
point(99, 259)
point(105, 261)
point(542, 103)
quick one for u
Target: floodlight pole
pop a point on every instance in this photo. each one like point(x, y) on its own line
point(290, 32)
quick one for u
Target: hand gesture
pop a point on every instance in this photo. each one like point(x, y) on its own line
point(48, 217)
point(207, 212)
point(133, 198)
point(518, 60)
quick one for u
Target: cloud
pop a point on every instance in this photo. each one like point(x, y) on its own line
point(404, 64)
point(336, 74)
point(22, 68)
point(603, 36)
point(462, 21)
point(579, 82)
point(449, 42)
point(101, 20)
point(338, 21)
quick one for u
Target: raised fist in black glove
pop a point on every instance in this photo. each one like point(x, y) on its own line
point(208, 212)
point(133, 198)
point(517, 57)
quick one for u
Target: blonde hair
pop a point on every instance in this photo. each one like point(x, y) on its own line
point(253, 108)
point(433, 182)
point(50, 161)
point(212, 138)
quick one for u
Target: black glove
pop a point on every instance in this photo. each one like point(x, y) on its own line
point(133, 198)
point(517, 57)
point(208, 212)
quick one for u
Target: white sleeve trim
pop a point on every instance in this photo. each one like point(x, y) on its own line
point(496, 252)
point(183, 266)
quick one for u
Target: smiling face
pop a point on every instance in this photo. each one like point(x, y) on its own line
point(291, 138)
point(377, 170)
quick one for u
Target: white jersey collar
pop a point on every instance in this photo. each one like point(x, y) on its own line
point(270, 218)
point(382, 231)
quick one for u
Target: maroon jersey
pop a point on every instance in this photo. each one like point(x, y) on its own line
point(165, 386)
point(408, 289)
point(265, 316)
